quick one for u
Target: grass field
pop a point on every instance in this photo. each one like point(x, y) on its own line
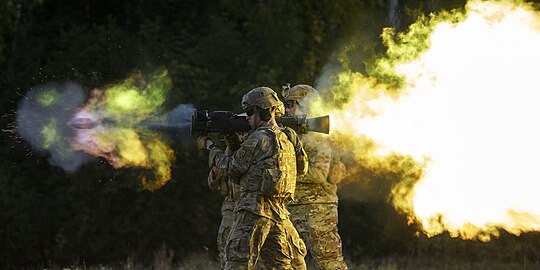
point(164, 261)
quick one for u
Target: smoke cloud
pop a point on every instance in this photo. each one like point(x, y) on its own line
point(123, 123)
point(42, 118)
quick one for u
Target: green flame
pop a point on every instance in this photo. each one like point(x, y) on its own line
point(50, 134)
point(135, 99)
point(48, 97)
point(53, 140)
point(126, 143)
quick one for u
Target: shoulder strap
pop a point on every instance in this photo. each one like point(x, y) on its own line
point(288, 132)
point(273, 136)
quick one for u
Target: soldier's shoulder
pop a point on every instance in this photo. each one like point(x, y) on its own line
point(291, 134)
point(261, 134)
point(288, 130)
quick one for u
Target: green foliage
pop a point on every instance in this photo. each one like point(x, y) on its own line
point(11, 13)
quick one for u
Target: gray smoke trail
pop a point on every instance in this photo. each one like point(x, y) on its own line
point(175, 125)
point(42, 119)
point(181, 115)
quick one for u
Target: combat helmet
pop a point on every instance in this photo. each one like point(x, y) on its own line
point(264, 98)
point(298, 92)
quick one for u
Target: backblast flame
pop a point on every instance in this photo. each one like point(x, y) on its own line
point(467, 111)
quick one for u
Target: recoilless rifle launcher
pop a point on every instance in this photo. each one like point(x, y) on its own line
point(227, 122)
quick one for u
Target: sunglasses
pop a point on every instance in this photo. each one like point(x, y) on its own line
point(290, 103)
point(250, 111)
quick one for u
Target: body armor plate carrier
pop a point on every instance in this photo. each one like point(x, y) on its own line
point(279, 170)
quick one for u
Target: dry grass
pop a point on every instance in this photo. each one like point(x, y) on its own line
point(408, 263)
point(163, 260)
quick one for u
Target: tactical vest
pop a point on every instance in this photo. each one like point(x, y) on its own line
point(274, 176)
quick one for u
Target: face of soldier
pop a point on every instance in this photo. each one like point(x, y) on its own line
point(293, 108)
point(252, 117)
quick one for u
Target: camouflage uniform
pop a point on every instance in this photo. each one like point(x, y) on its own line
point(266, 166)
point(230, 191)
point(314, 210)
point(228, 188)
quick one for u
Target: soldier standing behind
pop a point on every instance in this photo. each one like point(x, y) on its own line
point(218, 181)
point(266, 166)
point(314, 211)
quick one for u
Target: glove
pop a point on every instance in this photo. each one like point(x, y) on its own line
point(233, 141)
point(202, 142)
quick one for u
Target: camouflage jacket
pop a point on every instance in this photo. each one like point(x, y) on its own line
point(223, 183)
point(256, 155)
point(318, 185)
point(227, 187)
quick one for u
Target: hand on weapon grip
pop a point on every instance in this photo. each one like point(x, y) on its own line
point(203, 142)
point(234, 140)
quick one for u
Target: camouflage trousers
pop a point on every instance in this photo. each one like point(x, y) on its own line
point(254, 237)
point(223, 234)
point(317, 225)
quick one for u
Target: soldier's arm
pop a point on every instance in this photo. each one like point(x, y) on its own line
point(320, 158)
point(302, 163)
point(214, 179)
point(217, 180)
point(239, 162)
point(338, 170)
